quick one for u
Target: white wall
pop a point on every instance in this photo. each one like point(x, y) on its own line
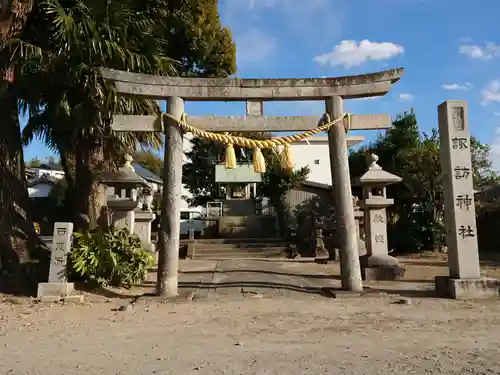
point(48, 172)
point(41, 190)
point(309, 154)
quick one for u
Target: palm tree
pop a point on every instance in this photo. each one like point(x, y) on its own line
point(19, 249)
point(76, 106)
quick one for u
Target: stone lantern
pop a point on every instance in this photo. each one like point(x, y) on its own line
point(123, 205)
point(377, 264)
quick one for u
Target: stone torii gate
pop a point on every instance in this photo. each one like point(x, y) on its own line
point(255, 92)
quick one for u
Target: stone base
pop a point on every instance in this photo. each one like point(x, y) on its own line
point(383, 273)
point(55, 290)
point(321, 255)
point(482, 288)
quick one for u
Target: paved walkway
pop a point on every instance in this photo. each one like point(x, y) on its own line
point(284, 278)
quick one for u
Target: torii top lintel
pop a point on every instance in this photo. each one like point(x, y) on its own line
point(241, 89)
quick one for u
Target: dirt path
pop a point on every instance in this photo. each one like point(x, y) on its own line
point(278, 335)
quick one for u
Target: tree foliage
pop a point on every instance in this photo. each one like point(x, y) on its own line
point(277, 182)
point(416, 219)
point(50, 52)
point(483, 171)
point(154, 37)
point(198, 174)
point(150, 161)
point(34, 163)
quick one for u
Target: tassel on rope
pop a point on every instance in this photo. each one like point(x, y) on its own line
point(259, 163)
point(230, 156)
point(347, 122)
point(286, 158)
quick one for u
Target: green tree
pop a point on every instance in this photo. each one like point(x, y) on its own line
point(54, 52)
point(483, 171)
point(33, 163)
point(276, 182)
point(198, 174)
point(75, 106)
point(416, 219)
point(149, 160)
point(127, 35)
point(403, 151)
point(193, 36)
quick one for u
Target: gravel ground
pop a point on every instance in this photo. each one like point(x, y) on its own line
point(307, 334)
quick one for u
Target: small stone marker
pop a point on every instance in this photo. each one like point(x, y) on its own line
point(61, 246)
point(57, 286)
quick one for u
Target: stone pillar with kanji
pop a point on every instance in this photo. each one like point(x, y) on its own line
point(464, 280)
point(377, 264)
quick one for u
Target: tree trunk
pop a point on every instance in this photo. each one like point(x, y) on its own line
point(89, 197)
point(23, 258)
point(98, 192)
point(69, 194)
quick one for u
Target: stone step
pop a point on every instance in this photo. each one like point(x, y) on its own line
point(240, 240)
point(238, 246)
point(241, 251)
point(276, 253)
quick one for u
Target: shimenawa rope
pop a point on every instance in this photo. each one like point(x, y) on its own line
point(257, 145)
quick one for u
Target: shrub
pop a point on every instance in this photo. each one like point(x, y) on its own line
point(488, 219)
point(109, 256)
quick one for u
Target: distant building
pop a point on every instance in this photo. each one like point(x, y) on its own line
point(49, 170)
point(41, 180)
point(41, 187)
point(314, 153)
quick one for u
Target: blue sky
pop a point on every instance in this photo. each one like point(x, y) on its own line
point(450, 49)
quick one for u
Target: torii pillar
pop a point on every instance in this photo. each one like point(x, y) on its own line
point(342, 196)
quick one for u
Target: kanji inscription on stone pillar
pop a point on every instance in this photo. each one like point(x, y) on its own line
point(460, 214)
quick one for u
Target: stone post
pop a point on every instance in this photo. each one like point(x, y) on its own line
point(459, 211)
point(122, 217)
point(358, 216)
point(378, 265)
point(142, 227)
point(342, 195)
point(168, 260)
point(321, 253)
point(57, 286)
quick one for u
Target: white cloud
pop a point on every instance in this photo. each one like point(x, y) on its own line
point(254, 48)
point(496, 113)
point(455, 86)
point(370, 98)
point(491, 93)
point(253, 4)
point(349, 53)
point(405, 97)
point(487, 52)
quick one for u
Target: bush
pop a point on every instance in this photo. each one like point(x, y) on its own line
point(488, 220)
point(109, 256)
